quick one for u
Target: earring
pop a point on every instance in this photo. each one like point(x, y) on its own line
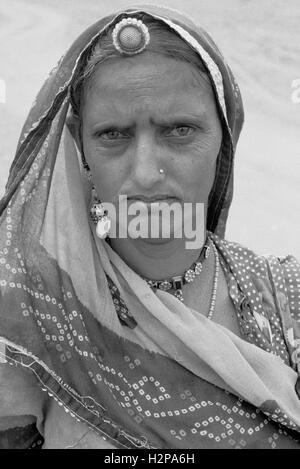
point(100, 218)
point(87, 173)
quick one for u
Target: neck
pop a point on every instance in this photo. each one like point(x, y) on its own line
point(157, 261)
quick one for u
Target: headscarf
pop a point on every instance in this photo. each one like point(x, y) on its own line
point(91, 331)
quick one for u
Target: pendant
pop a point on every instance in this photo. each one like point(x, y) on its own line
point(179, 295)
point(103, 227)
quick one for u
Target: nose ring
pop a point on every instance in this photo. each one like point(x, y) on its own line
point(161, 171)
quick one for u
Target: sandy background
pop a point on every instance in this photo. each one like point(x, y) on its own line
point(261, 41)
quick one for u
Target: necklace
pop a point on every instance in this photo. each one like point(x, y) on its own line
point(215, 284)
point(176, 283)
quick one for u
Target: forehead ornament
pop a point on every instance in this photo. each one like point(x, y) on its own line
point(130, 36)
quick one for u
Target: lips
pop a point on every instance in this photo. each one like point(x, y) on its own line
point(151, 200)
point(153, 205)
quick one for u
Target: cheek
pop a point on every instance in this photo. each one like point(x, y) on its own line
point(107, 180)
point(107, 175)
point(198, 172)
point(105, 184)
point(198, 180)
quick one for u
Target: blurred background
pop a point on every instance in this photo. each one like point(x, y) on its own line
point(261, 41)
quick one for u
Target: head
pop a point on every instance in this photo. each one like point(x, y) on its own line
point(137, 115)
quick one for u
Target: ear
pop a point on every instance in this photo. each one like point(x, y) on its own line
point(74, 125)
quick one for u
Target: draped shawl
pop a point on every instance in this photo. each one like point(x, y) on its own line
point(135, 366)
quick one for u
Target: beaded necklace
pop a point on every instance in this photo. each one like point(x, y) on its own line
point(215, 284)
point(176, 283)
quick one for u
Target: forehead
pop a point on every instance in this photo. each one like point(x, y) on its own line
point(148, 82)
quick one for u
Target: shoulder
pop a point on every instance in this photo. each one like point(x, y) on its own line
point(267, 287)
point(279, 275)
point(244, 257)
point(241, 259)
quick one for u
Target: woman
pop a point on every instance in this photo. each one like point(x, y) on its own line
point(139, 342)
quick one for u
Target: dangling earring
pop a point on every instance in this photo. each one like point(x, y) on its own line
point(85, 167)
point(100, 217)
point(87, 173)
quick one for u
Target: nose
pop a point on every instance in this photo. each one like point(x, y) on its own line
point(147, 161)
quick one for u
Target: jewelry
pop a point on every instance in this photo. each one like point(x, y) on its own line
point(98, 214)
point(101, 220)
point(87, 173)
point(215, 284)
point(161, 171)
point(189, 276)
point(130, 36)
point(176, 283)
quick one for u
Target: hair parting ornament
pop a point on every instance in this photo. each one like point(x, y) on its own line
point(130, 36)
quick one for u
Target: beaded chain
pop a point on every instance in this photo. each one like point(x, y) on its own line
point(189, 276)
point(215, 284)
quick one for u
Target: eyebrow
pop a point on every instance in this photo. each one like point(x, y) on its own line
point(160, 122)
point(179, 118)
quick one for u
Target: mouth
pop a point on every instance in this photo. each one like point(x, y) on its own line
point(154, 199)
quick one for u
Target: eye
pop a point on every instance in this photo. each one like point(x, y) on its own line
point(112, 135)
point(180, 131)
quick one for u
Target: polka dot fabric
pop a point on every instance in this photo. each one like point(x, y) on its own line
point(266, 294)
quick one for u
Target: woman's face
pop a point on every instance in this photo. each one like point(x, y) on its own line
point(148, 113)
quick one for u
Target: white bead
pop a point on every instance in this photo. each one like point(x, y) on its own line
point(103, 227)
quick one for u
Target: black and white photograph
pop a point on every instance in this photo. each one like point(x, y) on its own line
point(150, 227)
